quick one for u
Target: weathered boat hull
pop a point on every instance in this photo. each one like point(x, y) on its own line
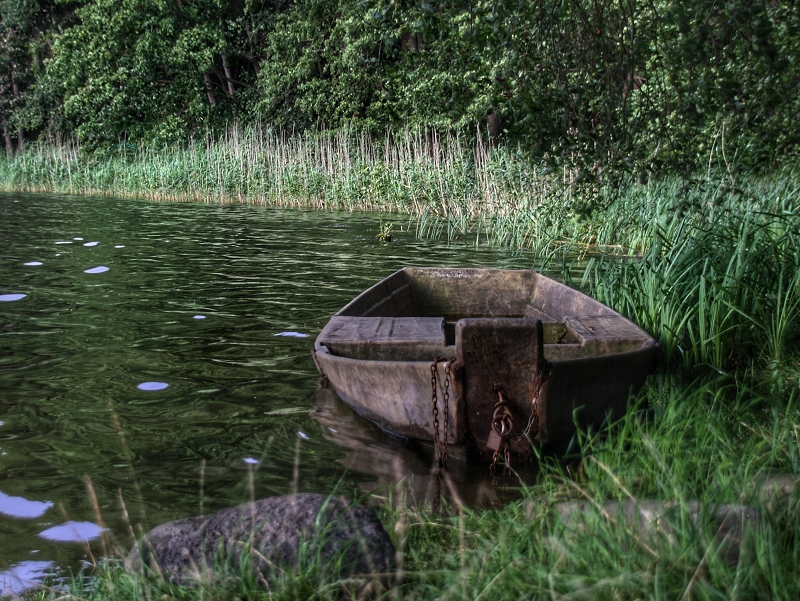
point(503, 330)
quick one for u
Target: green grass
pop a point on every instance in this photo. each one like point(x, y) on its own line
point(695, 449)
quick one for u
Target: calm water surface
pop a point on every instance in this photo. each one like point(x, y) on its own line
point(158, 355)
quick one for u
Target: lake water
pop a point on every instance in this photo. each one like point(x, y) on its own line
point(158, 355)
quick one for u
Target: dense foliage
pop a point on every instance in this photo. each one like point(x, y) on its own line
point(641, 85)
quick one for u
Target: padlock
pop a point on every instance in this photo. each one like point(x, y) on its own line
point(494, 441)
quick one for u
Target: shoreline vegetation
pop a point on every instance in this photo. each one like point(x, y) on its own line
point(709, 264)
point(452, 184)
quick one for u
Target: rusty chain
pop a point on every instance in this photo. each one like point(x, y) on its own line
point(502, 422)
point(446, 410)
point(435, 407)
point(439, 443)
point(533, 420)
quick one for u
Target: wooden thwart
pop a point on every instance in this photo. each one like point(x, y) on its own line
point(385, 338)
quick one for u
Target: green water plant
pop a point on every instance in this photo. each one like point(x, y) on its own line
point(718, 286)
point(385, 232)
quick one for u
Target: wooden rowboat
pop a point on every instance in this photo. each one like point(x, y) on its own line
point(506, 351)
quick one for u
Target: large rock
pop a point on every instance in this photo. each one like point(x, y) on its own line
point(293, 531)
point(650, 519)
point(776, 491)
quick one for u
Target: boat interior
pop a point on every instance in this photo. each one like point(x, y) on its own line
point(412, 315)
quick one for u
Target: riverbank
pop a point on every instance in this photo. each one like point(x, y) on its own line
point(450, 185)
point(710, 266)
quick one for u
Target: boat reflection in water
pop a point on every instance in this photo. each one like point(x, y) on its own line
point(405, 466)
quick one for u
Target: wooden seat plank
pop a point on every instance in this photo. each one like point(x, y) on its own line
point(608, 333)
point(386, 338)
point(384, 329)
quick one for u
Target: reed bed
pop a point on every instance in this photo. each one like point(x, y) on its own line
point(714, 274)
point(409, 171)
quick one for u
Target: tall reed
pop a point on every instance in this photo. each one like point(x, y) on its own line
point(718, 282)
point(410, 171)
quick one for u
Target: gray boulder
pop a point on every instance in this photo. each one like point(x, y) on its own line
point(289, 532)
point(650, 519)
point(778, 492)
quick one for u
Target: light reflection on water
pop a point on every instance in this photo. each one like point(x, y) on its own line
point(23, 575)
point(241, 384)
point(152, 386)
point(20, 507)
point(73, 532)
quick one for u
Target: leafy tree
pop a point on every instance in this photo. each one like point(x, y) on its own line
point(599, 85)
point(25, 29)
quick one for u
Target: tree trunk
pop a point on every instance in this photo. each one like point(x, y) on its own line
point(7, 136)
point(228, 75)
point(494, 127)
point(210, 89)
point(15, 93)
point(410, 43)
